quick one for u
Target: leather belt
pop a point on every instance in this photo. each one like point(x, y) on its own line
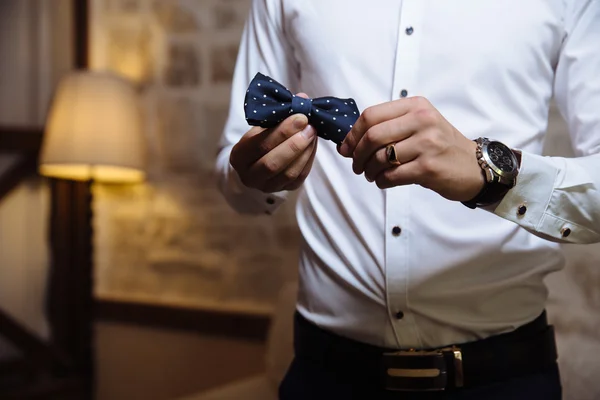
point(526, 350)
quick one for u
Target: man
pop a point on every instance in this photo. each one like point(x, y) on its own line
point(405, 290)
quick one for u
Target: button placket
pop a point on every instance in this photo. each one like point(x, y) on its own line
point(397, 249)
point(407, 50)
point(396, 261)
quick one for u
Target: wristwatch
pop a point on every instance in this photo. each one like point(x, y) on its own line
point(500, 167)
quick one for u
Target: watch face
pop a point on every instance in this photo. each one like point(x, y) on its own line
point(501, 156)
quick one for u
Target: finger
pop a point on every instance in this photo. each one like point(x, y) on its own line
point(405, 174)
point(380, 135)
point(278, 159)
point(296, 184)
point(259, 141)
point(295, 172)
point(373, 116)
point(257, 145)
point(406, 151)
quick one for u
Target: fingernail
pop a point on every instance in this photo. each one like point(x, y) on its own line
point(308, 132)
point(344, 149)
point(300, 122)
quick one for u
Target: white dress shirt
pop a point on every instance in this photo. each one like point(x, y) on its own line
point(404, 267)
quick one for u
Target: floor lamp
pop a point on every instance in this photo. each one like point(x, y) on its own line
point(93, 134)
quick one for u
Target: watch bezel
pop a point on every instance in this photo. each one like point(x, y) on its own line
point(504, 175)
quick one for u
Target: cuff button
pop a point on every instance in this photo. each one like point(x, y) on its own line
point(565, 232)
point(270, 201)
point(522, 210)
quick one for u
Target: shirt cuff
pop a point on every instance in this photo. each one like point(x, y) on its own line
point(526, 203)
point(266, 202)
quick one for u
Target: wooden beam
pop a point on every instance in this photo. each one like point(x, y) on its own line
point(239, 326)
point(22, 140)
point(38, 354)
point(23, 168)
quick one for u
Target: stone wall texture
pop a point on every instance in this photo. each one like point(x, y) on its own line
point(174, 240)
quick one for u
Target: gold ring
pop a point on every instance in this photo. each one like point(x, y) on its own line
point(392, 156)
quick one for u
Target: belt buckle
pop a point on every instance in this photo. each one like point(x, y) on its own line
point(414, 370)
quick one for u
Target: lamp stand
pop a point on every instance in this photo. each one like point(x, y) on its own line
point(70, 305)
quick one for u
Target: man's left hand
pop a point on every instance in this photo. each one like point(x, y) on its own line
point(432, 152)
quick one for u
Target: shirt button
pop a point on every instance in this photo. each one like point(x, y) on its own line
point(396, 231)
point(399, 315)
point(565, 232)
point(409, 30)
point(403, 93)
point(522, 209)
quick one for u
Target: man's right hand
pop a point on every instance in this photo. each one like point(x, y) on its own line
point(278, 158)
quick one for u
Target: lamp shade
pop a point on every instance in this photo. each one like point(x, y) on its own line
point(94, 130)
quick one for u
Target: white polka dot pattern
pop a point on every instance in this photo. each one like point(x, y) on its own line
point(332, 117)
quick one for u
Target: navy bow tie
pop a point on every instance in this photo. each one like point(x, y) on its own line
point(268, 103)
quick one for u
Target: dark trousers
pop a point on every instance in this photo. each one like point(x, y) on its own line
point(309, 379)
point(306, 381)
